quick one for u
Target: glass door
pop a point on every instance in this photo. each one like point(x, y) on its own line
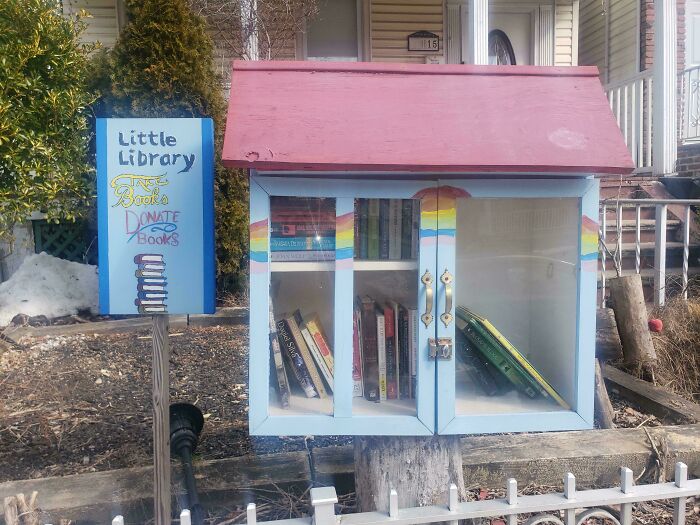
point(348, 293)
point(509, 274)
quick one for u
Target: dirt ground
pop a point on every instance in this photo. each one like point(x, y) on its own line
point(83, 403)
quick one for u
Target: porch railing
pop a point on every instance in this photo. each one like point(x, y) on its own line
point(571, 507)
point(630, 101)
point(690, 109)
point(614, 254)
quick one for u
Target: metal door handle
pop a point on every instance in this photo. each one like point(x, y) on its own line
point(446, 279)
point(427, 280)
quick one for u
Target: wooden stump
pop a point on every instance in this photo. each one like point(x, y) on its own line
point(604, 412)
point(607, 339)
point(632, 322)
point(10, 511)
point(421, 470)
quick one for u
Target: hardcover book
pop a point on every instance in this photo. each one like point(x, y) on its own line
point(306, 353)
point(282, 384)
point(370, 363)
point(357, 385)
point(373, 229)
point(294, 358)
point(381, 353)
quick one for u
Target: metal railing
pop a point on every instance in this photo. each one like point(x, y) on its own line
point(631, 103)
point(690, 108)
point(571, 507)
point(660, 240)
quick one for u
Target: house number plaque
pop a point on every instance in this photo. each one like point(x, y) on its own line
point(423, 41)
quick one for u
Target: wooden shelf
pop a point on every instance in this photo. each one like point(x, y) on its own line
point(329, 266)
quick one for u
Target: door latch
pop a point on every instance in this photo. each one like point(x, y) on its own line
point(440, 348)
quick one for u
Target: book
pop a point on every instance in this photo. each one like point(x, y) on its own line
point(282, 384)
point(543, 386)
point(415, 228)
point(148, 258)
point(302, 229)
point(413, 349)
point(497, 356)
point(404, 358)
point(480, 371)
point(152, 309)
point(395, 229)
point(391, 366)
point(148, 273)
point(406, 227)
point(357, 386)
point(278, 244)
point(313, 322)
point(316, 355)
point(362, 207)
point(303, 256)
point(157, 288)
point(370, 364)
point(384, 229)
point(305, 353)
point(381, 353)
point(152, 295)
point(294, 358)
point(373, 229)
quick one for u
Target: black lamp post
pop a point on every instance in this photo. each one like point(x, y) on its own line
point(186, 422)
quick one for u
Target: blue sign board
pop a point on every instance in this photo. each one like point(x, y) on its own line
point(155, 202)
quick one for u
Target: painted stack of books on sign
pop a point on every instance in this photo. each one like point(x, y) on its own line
point(301, 350)
point(493, 363)
point(303, 229)
point(386, 229)
point(384, 350)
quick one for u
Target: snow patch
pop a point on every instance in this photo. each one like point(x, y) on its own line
point(47, 285)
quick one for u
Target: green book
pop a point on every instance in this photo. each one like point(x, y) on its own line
point(373, 229)
point(497, 357)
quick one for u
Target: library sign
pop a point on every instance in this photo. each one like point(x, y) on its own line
point(155, 200)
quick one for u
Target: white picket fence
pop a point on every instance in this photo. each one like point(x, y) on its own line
point(570, 507)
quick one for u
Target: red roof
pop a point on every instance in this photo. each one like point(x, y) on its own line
point(421, 118)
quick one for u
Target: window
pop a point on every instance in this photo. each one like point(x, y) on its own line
point(333, 34)
point(500, 49)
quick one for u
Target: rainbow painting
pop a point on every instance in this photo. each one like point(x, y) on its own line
point(259, 232)
point(439, 214)
point(344, 241)
point(589, 244)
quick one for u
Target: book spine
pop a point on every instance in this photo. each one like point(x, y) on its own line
point(283, 390)
point(404, 367)
point(395, 229)
point(384, 228)
point(303, 256)
point(318, 358)
point(356, 355)
point(152, 295)
point(278, 244)
point(415, 228)
point(356, 229)
point(363, 205)
point(326, 229)
point(144, 258)
point(306, 355)
point(156, 288)
point(295, 359)
point(381, 355)
point(153, 309)
point(370, 365)
point(413, 348)
point(391, 351)
point(321, 341)
point(406, 227)
point(373, 229)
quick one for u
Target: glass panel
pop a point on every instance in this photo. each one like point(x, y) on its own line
point(516, 296)
point(385, 316)
point(302, 255)
point(333, 33)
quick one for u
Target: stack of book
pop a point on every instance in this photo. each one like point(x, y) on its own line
point(384, 350)
point(151, 284)
point(494, 363)
point(303, 229)
point(387, 229)
point(299, 345)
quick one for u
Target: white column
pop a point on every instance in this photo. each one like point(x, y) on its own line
point(478, 32)
point(249, 25)
point(665, 141)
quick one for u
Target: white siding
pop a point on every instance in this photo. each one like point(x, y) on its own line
point(103, 24)
point(392, 21)
point(564, 33)
point(618, 57)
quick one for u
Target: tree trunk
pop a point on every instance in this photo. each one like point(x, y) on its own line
point(421, 470)
point(603, 407)
point(632, 322)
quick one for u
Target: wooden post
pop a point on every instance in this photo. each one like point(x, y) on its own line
point(603, 408)
point(161, 421)
point(632, 323)
point(420, 469)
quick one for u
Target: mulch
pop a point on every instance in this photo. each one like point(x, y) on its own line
point(83, 403)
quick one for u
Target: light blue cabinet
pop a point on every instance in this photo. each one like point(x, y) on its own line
point(519, 253)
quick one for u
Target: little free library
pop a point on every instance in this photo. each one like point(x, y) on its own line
point(423, 244)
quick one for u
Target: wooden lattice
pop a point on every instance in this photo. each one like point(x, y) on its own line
point(64, 240)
